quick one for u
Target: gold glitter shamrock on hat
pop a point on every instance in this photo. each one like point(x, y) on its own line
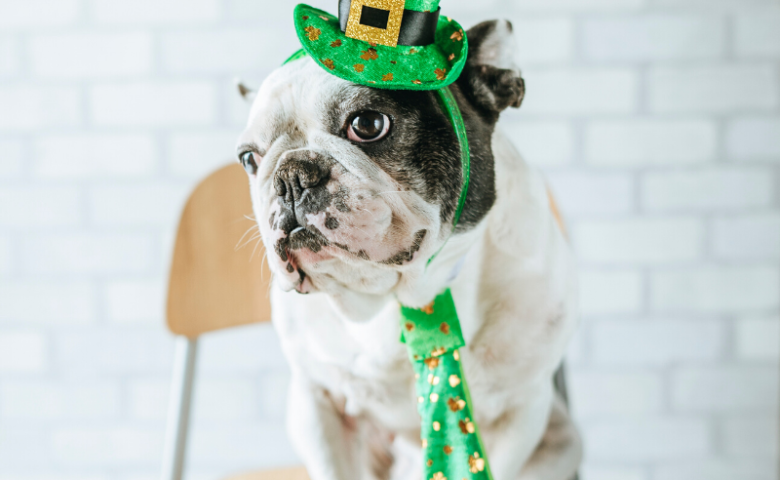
point(392, 44)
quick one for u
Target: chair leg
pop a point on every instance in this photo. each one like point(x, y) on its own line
point(179, 408)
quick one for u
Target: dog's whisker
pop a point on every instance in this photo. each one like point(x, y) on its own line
point(237, 247)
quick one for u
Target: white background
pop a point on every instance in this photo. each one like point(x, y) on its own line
point(657, 122)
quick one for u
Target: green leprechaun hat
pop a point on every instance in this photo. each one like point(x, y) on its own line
point(392, 44)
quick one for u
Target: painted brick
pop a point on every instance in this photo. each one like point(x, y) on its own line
point(23, 448)
point(38, 474)
point(156, 11)
point(546, 144)
point(9, 57)
point(657, 343)
point(460, 9)
point(243, 447)
point(11, 158)
point(756, 33)
point(136, 205)
point(600, 472)
point(754, 138)
point(751, 436)
point(654, 37)
point(236, 350)
point(575, 192)
point(226, 51)
point(721, 469)
point(542, 41)
point(136, 301)
point(715, 289)
point(38, 13)
point(153, 104)
point(725, 389)
point(87, 253)
point(608, 395)
point(46, 302)
point(273, 394)
point(710, 5)
point(254, 12)
point(149, 398)
point(747, 237)
point(115, 351)
point(53, 474)
point(577, 350)
point(194, 155)
point(639, 241)
point(116, 446)
point(721, 189)
point(28, 108)
point(717, 88)
point(641, 142)
point(38, 401)
point(6, 257)
point(578, 5)
point(758, 338)
point(23, 352)
point(650, 438)
point(91, 55)
point(581, 91)
point(226, 400)
point(39, 206)
point(95, 156)
point(610, 291)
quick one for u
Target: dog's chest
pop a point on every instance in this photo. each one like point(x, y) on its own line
point(364, 366)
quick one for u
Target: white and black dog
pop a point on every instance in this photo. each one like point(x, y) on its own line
point(354, 189)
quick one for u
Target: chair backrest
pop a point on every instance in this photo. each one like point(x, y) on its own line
point(219, 277)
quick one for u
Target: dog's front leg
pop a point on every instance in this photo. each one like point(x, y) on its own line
point(512, 438)
point(327, 440)
point(535, 442)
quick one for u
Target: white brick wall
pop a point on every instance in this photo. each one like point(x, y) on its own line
point(657, 123)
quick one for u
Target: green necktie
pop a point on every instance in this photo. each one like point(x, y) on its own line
point(452, 446)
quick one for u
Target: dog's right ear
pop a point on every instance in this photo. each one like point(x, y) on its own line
point(246, 93)
point(490, 77)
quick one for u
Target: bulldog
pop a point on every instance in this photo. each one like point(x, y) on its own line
point(354, 189)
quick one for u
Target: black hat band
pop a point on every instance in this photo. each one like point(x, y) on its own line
point(417, 28)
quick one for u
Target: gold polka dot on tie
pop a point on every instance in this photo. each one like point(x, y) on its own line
point(454, 381)
point(436, 426)
point(420, 399)
point(434, 397)
point(456, 355)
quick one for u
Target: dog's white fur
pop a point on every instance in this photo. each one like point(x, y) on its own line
point(352, 406)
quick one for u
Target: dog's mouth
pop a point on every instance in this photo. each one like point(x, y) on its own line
point(300, 239)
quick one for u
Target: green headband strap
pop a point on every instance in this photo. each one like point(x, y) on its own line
point(450, 105)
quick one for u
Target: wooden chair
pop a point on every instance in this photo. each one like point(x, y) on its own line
point(212, 286)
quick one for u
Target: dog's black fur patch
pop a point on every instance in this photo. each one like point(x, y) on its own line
point(421, 150)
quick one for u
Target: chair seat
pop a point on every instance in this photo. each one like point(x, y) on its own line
point(296, 473)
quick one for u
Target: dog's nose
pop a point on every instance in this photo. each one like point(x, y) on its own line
point(295, 176)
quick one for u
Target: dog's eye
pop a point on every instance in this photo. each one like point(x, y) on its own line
point(247, 159)
point(368, 127)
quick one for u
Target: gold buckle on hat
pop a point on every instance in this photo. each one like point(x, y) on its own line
point(374, 34)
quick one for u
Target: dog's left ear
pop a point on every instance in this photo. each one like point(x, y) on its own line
point(490, 77)
point(246, 93)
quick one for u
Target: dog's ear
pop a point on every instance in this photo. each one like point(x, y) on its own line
point(490, 77)
point(246, 93)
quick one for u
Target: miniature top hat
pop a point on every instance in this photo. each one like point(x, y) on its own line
point(391, 44)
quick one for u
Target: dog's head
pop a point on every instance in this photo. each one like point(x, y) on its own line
point(354, 186)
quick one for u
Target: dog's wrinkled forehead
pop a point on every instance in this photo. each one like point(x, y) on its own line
point(299, 98)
